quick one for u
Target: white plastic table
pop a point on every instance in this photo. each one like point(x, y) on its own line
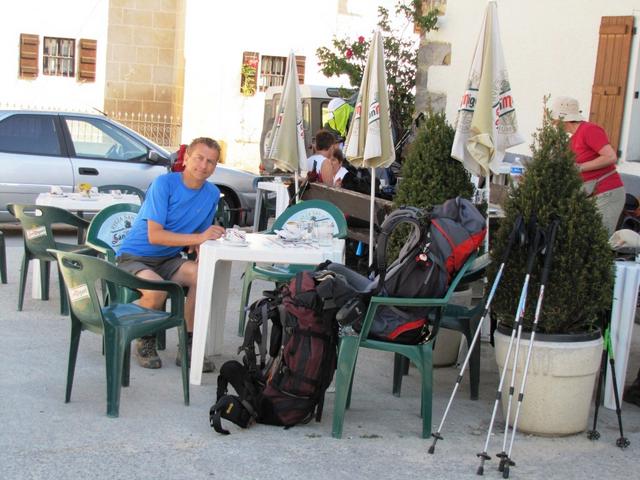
point(282, 199)
point(214, 269)
point(79, 203)
point(623, 311)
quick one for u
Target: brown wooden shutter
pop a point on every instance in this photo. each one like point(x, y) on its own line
point(29, 46)
point(87, 50)
point(300, 61)
point(610, 79)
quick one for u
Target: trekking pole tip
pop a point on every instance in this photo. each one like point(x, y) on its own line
point(623, 443)
point(593, 435)
point(432, 448)
point(480, 470)
point(505, 473)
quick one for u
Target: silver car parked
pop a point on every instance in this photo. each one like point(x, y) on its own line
point(41, 149)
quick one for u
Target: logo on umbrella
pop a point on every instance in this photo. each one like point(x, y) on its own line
point(374, 110)
point(357, 111)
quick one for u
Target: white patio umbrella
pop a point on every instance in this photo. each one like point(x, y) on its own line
point(369, 142)
point(287, 148)
point(486, 124)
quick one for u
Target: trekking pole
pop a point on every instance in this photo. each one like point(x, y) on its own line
point(593, 434)
point(506, 461)
point(533, 251)
point(622, 442)
point(520, 325)
point(515, 235)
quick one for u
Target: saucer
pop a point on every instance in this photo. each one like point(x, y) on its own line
point(235, 244)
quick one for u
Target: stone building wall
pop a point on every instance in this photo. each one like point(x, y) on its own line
point(145, 57)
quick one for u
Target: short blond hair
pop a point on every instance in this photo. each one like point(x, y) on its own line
point(209, 142)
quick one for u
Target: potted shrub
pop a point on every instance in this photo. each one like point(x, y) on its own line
point(429, 177)
point(568, 343)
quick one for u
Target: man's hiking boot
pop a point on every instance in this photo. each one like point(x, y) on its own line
point(207, 364)
point(146, 353)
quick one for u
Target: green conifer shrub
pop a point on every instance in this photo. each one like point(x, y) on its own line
point(581, 281)
point(429, 174)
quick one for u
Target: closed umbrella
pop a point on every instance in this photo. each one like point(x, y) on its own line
point(369, 142)
point(486, 124)
point(287, 148)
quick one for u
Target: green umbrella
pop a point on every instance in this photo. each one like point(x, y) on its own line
point(287, 148)
point(369, 142)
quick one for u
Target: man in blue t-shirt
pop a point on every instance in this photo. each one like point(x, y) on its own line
point(178, 212)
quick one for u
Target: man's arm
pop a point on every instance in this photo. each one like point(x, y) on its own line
point(159, 236)
point(606, 156)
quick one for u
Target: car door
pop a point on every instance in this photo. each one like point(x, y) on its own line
point(33, 158)
point(102, 153)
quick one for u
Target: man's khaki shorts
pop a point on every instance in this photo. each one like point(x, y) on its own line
point(166, 267)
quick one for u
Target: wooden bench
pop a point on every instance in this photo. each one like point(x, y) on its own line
point(354, 205)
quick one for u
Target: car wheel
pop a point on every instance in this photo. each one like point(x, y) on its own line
point(228, 213)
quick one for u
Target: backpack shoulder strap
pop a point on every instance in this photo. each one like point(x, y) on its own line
point(412, 215)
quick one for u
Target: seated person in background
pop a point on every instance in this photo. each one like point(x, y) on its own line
point(178, 212)
point(333, 171)
point(323, 142)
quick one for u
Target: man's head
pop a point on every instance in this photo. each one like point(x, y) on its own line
point(324, 140)
point(566, 109)
point(200, 159)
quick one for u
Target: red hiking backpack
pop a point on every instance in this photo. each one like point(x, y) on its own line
point(296, 334)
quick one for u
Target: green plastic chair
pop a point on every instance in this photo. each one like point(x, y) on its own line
point(420, 355)
point(127, 189)
point(37, 232)
point(106, 232)
point(3, 259)
point(308, 210)
point(119, 323)
point(109, 227)
point(461, 319)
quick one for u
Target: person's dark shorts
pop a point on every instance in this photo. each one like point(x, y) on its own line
point(166, 267)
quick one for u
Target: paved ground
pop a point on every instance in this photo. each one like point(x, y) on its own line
point(156, 436)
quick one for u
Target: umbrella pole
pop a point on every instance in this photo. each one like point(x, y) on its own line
point(371, 214)
point(296, 186)
point(488, 188)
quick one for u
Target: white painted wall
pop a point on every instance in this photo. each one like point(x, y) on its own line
point(61, 18)
point(550, 47)
point(216, 35)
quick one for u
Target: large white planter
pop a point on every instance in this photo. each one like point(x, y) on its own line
point(559, 386)
point(447, 346)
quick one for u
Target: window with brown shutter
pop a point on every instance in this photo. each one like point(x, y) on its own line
point(87, 60)
point(29, 46)
point(58, 57)
point(300, 61)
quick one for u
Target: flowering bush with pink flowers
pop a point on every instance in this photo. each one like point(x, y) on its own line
point(348, 57)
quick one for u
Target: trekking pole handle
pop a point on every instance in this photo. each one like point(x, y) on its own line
point(515, 232)
point(548, 256)
point(533, 252)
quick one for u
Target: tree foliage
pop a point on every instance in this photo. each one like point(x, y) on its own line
point(581, 280)
point(348, 57)
point(429, 174)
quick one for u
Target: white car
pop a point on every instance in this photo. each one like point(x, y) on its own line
point(41, 149)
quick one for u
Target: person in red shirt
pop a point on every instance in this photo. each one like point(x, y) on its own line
point(595, 158)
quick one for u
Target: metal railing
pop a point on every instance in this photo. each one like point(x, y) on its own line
point(164, 130)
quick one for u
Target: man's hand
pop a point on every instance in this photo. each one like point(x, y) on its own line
point(212, 233)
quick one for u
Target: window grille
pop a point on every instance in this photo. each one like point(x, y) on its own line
point(58, 57)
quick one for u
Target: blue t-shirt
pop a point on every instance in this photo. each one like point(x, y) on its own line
point(177, 208)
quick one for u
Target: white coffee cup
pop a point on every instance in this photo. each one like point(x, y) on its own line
point(293, 229)
point(56, 190)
